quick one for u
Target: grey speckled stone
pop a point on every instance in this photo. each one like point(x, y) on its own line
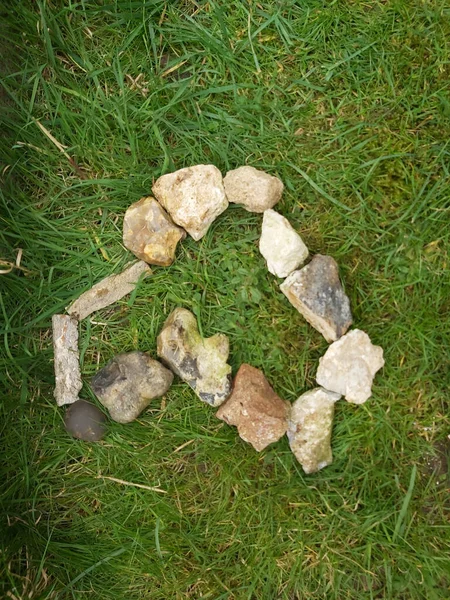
point(349, 366)
point(316, 292)
point(128, 383)
point(67, 367)
point(149, 232)
point(309, 429)
point(201, 363)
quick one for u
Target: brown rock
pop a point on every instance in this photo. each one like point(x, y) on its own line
point(316, 292)
point(150, 234)
point(67, 366)
point(256, 410)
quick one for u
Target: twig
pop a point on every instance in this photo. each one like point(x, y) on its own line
point(138, 485)
point(61, 148)
point(13, 265)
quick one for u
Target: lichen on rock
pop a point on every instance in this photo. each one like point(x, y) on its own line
point(309, 429)
point(201, 363)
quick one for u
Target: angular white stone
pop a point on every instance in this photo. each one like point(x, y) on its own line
point(254, 189)
point(193, 197)
point(309, 429)
point(281, 245)
point(67, 366)
point(349, 365)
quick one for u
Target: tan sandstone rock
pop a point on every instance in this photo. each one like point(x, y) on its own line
point(258, 413)
point(349, 365)
point(254, 189)
point(309, 429)
point(193, 197)
point(316, 292)
point(150, 234)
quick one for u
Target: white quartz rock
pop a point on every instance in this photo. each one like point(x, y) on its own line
point(193, 197)
point(349, 365)
point(309, 429)
point(281, 245)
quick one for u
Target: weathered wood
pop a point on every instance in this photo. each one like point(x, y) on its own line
point(108, 291)
point(67, 365)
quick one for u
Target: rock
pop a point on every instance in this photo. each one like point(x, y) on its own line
point(317, 294)
point(349, 365)
point(255, 190)
point(128, 383)
point(281, 245)
point(201, 363)
point(108, 290)
point(193, 197)
point(309, 429)
point(150, 234)
point(258, 413)
point(67, 365)
point(85, 421)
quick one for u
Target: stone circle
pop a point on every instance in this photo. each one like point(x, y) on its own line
point(187, 202)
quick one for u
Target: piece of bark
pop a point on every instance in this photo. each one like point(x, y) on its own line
point(67, 365)
point(108, 291)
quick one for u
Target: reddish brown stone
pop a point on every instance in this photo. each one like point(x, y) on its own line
point(258, 413)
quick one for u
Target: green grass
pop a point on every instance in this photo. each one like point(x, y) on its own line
point(349, 103)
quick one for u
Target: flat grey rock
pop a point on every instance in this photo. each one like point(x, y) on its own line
point(67, 361)
point(193, 197)
point(309, 429)
point(129, 382)
point(349, 366)
point(150, 233)
point(254, 189)
point(201, 363)
point(316, 292)
point(108, 290)
point(281, 245)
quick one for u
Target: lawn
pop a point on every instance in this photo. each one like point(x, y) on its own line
point(348, 102)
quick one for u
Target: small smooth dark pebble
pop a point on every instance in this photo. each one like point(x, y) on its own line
point(85, 421)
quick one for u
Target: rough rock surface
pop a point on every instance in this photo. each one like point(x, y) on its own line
point(150, 234)
point(201, 363)
point(128, 383)
point(108, 290)
point(258, 413)
point(309, 429)
point(349, 365)
point(316, 292)
point(254, 189)
point(67, 366)
point(193, 197)
point(85, 421)
point(281, 245)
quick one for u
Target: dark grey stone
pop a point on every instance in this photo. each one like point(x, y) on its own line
point(85, 421)
point(317, 293)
